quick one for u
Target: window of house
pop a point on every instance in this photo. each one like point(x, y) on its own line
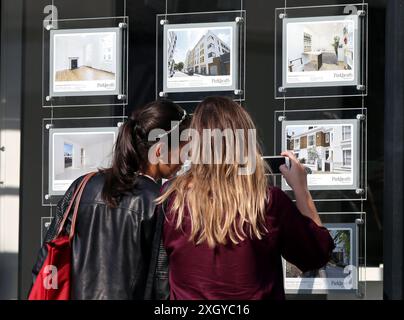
point(297, 143)
point(347, 157)
point(311, 140)
point(346, 133)
point(327, 137)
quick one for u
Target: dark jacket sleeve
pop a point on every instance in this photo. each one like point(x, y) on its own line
point(157, 284)
point(161, 287)
point(303, 243)
point(54, 226)
point(146, 229)
point(161, 290)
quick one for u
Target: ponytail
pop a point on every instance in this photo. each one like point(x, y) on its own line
point(125, 165)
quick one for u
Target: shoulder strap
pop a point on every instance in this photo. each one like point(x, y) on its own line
point(76, 207)
point(75, 199)
point(155, 249)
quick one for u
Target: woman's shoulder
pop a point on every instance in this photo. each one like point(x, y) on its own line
point(143, 195)
point(276, 200)
point(75, 184)
point(145, 184)
point(276, 193)
point(93, 187)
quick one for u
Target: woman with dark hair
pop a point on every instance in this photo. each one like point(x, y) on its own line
point(115, 223)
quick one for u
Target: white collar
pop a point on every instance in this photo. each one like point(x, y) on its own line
point(146, 175)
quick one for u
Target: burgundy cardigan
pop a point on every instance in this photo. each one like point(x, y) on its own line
point(251, 269)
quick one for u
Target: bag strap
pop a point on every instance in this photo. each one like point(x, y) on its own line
point(155, 248)
point(75, 199)
point(76, 207)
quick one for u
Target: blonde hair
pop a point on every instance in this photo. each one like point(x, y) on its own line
point(223, 204)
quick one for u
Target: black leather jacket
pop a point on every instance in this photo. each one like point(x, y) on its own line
point(111, 247)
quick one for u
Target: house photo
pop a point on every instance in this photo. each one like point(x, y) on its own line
point(338, 273)
point(320, 46)
point(85, 56)
point(329, 150)
point(324, 149)
point(84, 62)
point(199, 55)
point(75, 153)
point(208, 56)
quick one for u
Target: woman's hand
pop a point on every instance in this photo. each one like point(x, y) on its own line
point(296, 176)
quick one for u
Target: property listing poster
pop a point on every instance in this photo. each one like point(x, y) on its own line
point(199, 57)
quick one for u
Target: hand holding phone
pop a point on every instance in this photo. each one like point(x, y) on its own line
point(296, 174)
point(276, 162)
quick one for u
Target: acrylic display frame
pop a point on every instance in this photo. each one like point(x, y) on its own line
point(357, 191)
point(355, 279)
point(117, 32)
point(118, 97)
point(354, 148)
point(235, 19)
point(50, 197)
point(357, 87)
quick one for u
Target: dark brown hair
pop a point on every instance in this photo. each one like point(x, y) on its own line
point(132, 146)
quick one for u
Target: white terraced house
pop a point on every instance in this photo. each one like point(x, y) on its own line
point(323, 149)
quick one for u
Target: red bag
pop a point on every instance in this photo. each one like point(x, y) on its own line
point(54, 279)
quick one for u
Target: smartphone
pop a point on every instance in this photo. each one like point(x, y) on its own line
point(275, 162)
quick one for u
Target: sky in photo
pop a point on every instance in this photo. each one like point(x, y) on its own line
point(188, 38)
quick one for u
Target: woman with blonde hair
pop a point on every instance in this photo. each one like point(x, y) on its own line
point(226, 228)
